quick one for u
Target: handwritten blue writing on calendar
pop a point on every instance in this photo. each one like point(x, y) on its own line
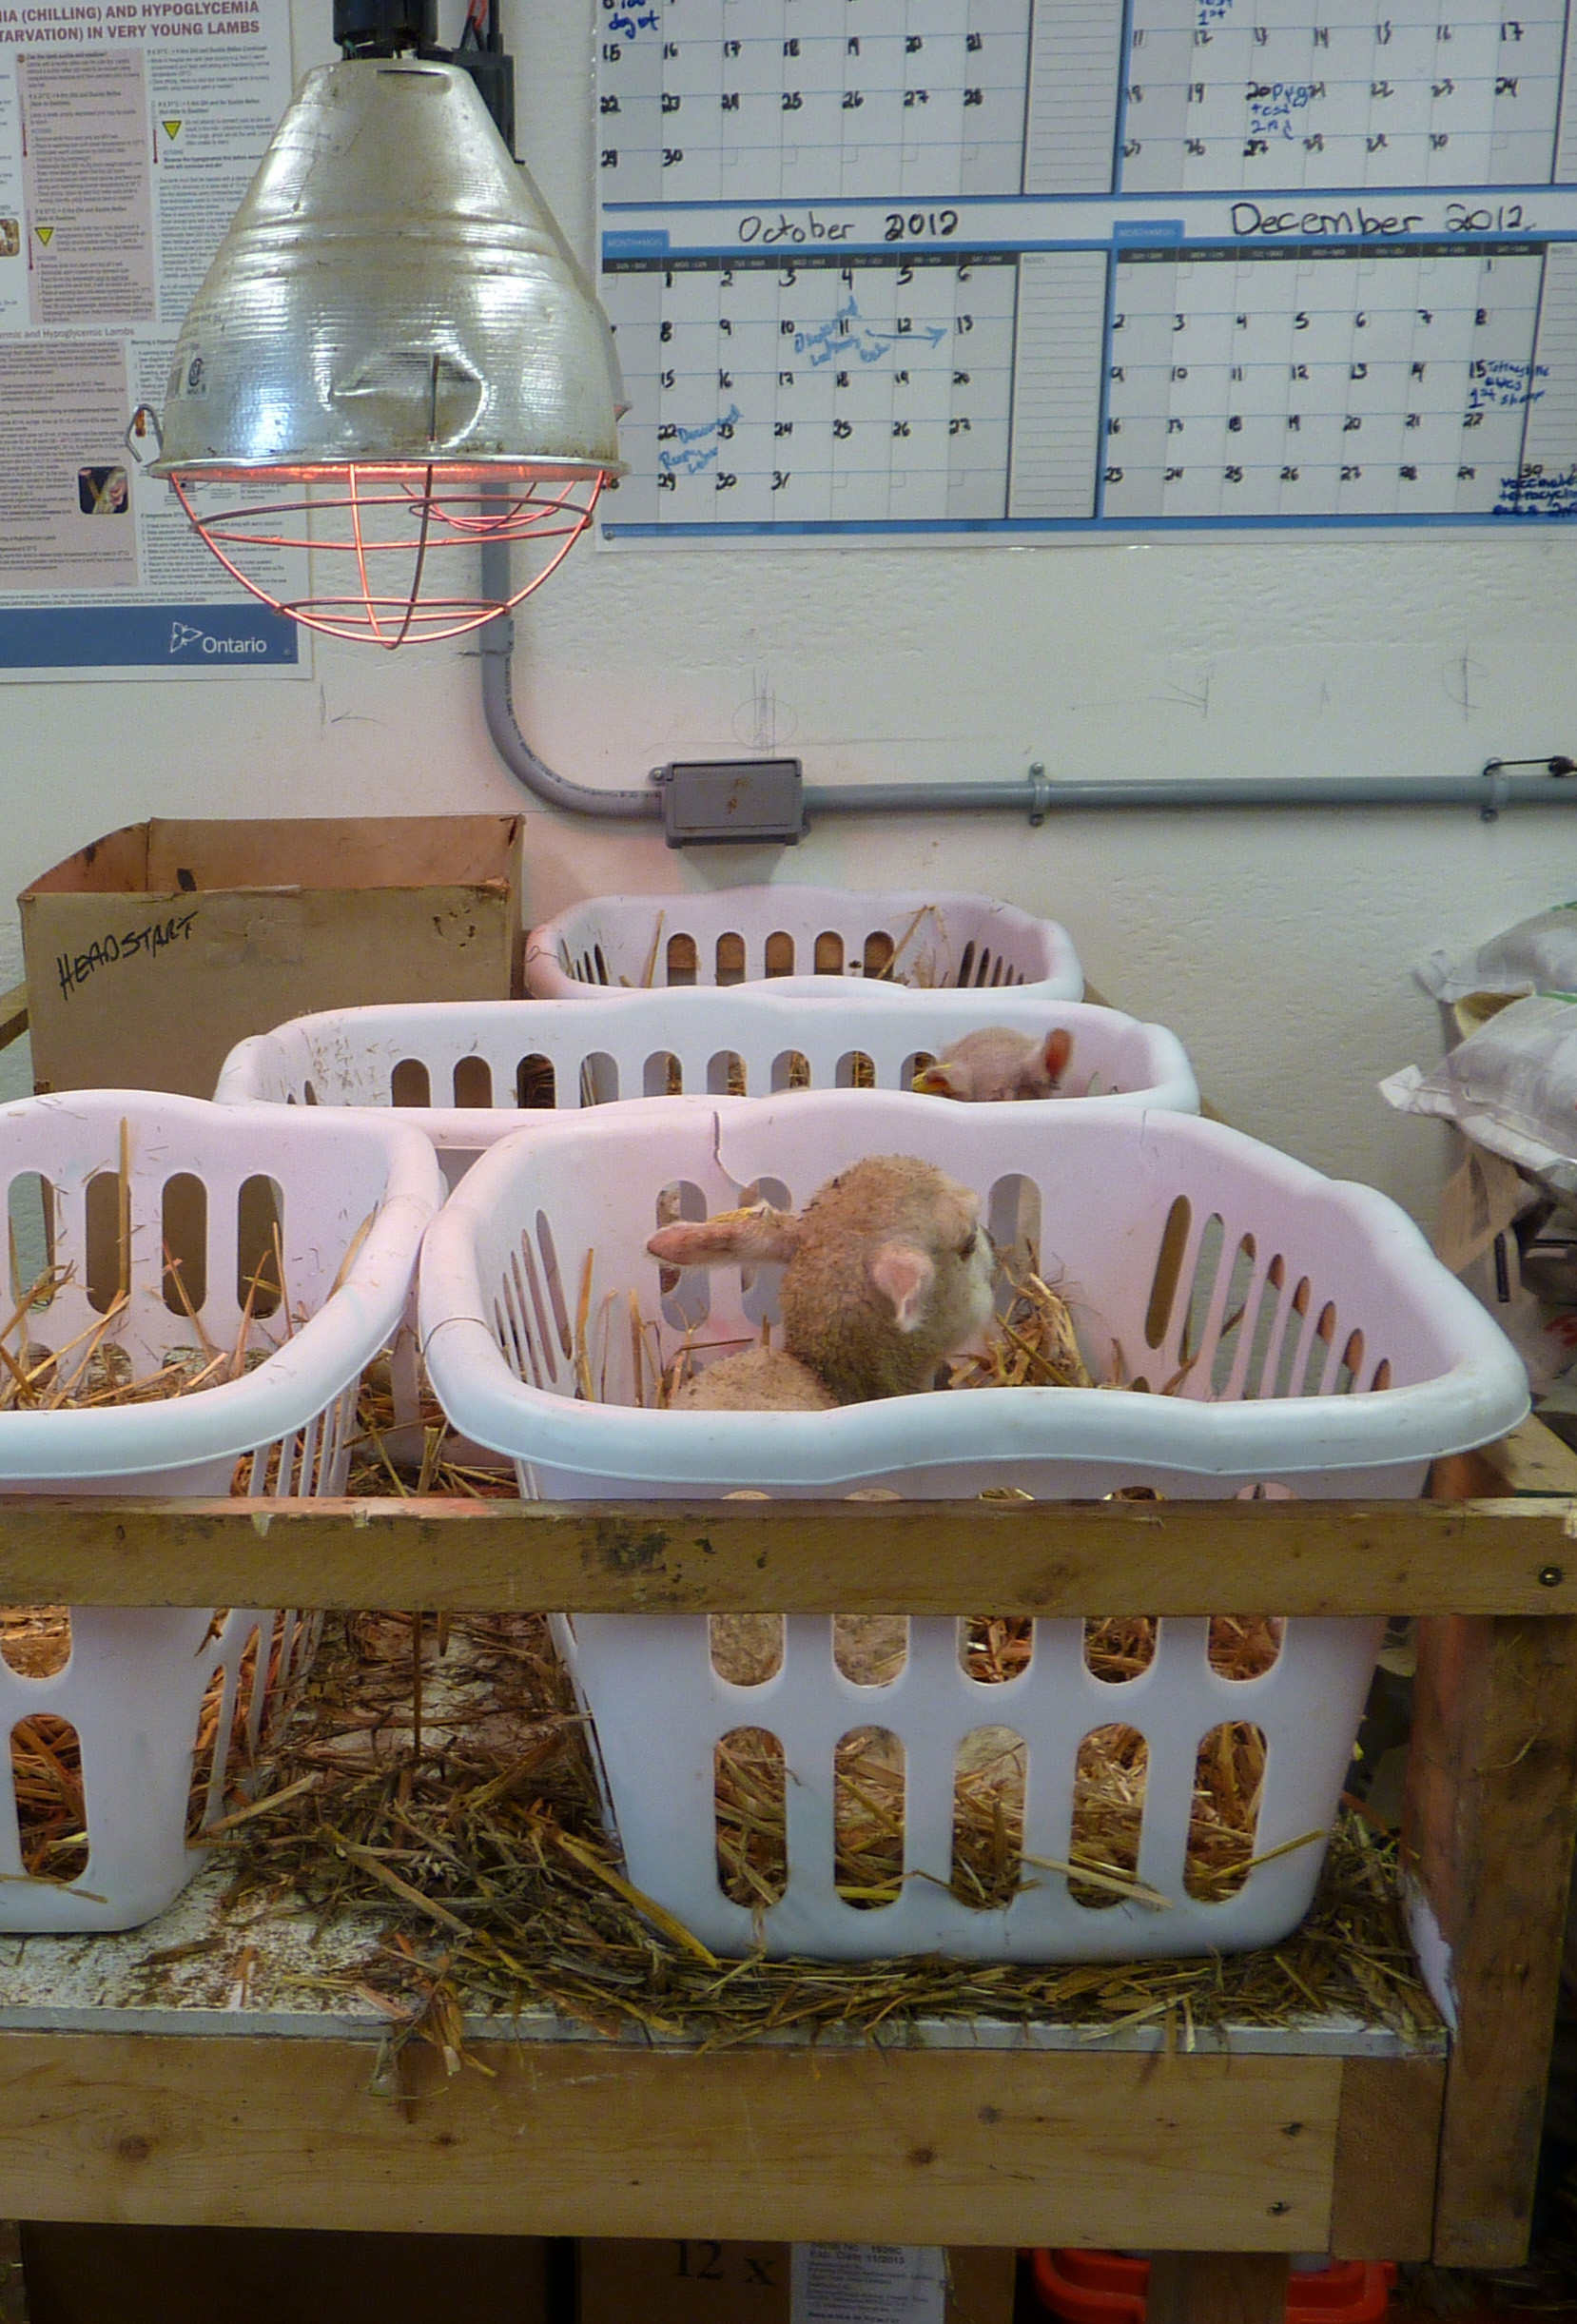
point(695, 449)
point(1273, 106)
point(1504, 385)
point(1539, 492)
point(624, 23)
point(849, 333)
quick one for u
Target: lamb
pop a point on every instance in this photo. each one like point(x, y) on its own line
point(886, 1270)
point(996, 1063)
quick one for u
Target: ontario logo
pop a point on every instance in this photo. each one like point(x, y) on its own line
point(185, 636)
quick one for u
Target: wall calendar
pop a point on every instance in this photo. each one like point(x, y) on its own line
point(934, 268)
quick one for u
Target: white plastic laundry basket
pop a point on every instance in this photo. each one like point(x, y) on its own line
point(450, 1061)
point(742, 935)
point(118, 1191)
point(1312, 1343)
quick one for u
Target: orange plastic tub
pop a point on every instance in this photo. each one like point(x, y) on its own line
point(1106, 2288)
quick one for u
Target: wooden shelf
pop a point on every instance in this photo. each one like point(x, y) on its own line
point(1047, 2132)
point(904, 2145)
point(138, 2109)
point(1505, 1555)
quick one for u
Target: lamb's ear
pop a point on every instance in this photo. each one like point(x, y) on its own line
point(1057, 1051)
point(905, 1273)
point(942, 1081)
point(754, 1237)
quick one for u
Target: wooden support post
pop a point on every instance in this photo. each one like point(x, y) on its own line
point(1491, 1808)
point(1217, 2288)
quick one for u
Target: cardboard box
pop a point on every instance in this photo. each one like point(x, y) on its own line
point(150, 953)
point(78, 2274)
point(693, 2281)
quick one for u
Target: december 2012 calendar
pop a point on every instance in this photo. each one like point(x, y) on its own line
point(933, 268)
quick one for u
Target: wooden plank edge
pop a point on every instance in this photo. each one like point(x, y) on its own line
point(1488, 1826)
point(14, 1015)
point(1388, 2139)
point(1076, 1559)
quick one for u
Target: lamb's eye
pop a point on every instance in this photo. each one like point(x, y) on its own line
point(967, 1247)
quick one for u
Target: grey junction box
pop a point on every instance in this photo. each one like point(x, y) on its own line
point(737, 801)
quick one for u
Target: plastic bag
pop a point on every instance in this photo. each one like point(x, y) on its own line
point(1511, 1087)
point(1538, 955)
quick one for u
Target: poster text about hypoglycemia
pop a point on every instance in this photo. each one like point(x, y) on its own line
point(129, 130)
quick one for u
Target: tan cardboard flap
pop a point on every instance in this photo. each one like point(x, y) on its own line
point(335, 852)
point(115, 865)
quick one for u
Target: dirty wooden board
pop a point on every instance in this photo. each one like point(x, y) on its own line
point(1072, 1558)
point(915, 2146)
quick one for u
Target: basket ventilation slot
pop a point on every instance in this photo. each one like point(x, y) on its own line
point(750, 1807)
point(1121, 1647)
point(30, 1211)
point(1229, 1777)
point(686, 1292)
point(989, 1784)
point(536, 1085)
point(870, 1649)
point(867, 1817)
point(260, 1241)
point(599, 1079)
point(185, 1225)
point(47, 1786)
point(555, 1284)
point(1110, 1778)
point(473, 1084)
point(761, 1285)
point(43, 1650)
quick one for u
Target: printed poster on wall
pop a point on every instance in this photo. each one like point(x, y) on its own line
point(129, 130)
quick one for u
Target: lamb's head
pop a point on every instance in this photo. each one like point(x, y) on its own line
point(886, 1270)
point(996, 1063)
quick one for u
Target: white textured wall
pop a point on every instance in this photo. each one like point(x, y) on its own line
point(1279, 946)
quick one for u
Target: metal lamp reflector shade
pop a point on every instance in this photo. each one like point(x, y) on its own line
point(394, 359)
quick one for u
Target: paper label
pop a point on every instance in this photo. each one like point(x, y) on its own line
point(868, 2283)
point(1479, 1202)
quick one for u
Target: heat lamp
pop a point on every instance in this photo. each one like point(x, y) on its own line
point(395, 358)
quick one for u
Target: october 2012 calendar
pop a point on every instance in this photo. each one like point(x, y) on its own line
point(923, 268)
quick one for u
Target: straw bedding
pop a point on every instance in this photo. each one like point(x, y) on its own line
point(467, 1831)
point(435, 1777)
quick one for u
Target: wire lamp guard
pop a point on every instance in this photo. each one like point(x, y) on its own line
point(395, 359)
